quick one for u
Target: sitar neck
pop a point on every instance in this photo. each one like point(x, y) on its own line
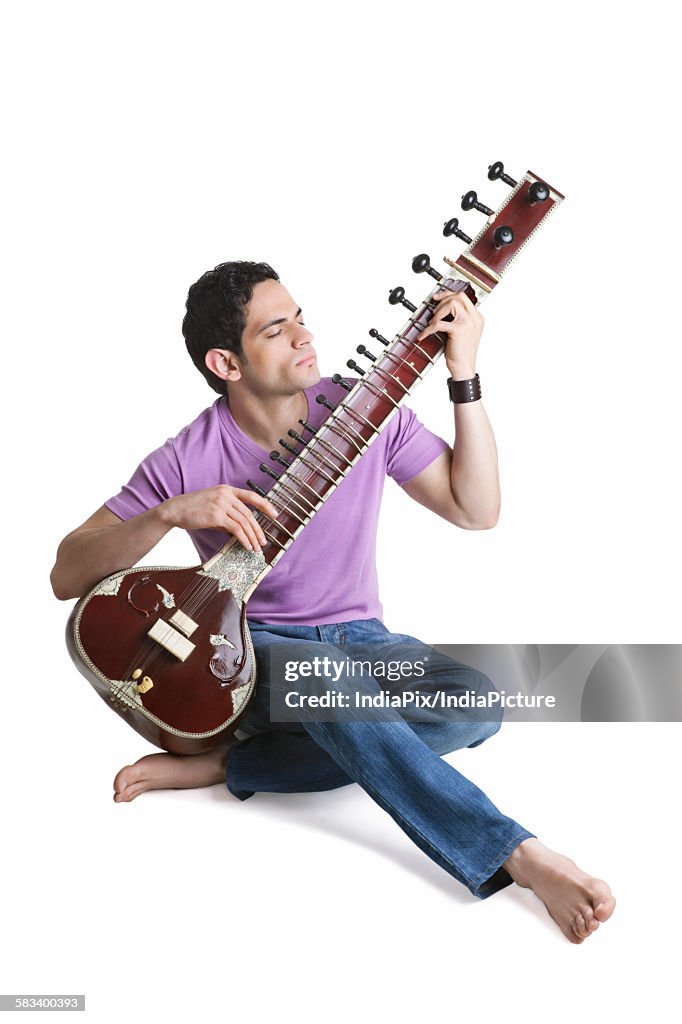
point(331, 450)
point(334, 447)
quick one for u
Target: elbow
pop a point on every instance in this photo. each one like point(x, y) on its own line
point(481, 512)
point(489, 521)
point(480, 522)
point(486, 524)
point(58, 592)
point(61, 592)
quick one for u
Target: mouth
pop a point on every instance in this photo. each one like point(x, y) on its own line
point(306, 361)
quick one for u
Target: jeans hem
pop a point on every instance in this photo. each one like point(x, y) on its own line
point(230, 782)
point(496, 877)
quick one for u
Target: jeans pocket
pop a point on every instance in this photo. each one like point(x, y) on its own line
point(360, 630)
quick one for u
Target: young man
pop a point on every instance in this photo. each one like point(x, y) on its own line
point(246, 335)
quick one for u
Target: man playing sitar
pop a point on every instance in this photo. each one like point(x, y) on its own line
point(246, 335)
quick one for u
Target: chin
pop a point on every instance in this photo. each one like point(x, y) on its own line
point(312, 373)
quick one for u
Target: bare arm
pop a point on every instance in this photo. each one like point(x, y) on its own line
point(463, 484)
point(103, 544)
point(436, 486)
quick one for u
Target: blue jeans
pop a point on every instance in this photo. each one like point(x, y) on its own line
point(396, 762)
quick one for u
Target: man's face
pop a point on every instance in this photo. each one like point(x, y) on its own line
point(278, 351)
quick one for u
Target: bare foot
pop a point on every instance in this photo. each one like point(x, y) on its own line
point(171, 771)
point(577, 902)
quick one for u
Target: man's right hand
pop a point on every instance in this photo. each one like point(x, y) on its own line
point(103, 544)
point(220, 508)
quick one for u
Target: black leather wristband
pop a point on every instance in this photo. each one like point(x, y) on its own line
point(464, 390)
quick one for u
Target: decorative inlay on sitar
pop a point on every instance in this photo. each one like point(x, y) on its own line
point(169, 648)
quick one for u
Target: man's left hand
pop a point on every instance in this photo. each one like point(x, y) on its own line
point(463, 333)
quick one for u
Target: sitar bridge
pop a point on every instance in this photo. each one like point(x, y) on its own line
point(183, 622)
point(171, 639)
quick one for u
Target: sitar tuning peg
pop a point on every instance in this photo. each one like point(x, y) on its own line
point(538, 193)
point(422, 264)
point(254, 487)
point(321, 400)
point(470, 202)
point(397, 298)
point(373, 333)
point(264, 468)
point(366, 352)
point(276, 457)
point(351, 364)
point(496, 171)
point(338, 379)
point(451, 227)
point(503, 236)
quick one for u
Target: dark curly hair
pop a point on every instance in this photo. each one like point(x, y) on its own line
point(216, 311)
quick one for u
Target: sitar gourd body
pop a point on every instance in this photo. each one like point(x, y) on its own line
point(169, 649)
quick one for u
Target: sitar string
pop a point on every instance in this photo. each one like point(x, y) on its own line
point(198, 595)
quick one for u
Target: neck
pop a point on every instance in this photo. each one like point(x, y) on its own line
point(266, 418)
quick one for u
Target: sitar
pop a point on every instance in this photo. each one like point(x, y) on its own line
point(169, 649)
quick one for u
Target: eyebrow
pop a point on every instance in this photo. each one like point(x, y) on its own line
point(280, 320)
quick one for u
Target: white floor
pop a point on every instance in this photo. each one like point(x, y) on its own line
point(191, 903)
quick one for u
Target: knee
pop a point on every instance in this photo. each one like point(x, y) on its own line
point(485, 720)
point(484, 730)
point(480, 683)
point(446, 736)
point(479, 717)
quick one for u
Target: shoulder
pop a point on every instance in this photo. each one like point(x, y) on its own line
point(187, 446)
point(201, 431)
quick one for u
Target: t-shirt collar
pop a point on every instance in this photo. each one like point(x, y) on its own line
point(248, 443)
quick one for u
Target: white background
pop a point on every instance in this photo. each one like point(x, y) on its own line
point(144, 143)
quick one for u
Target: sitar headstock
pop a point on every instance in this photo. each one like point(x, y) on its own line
point(506, 231)
point(479, 269)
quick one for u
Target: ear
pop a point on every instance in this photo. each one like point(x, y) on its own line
point(223, 363)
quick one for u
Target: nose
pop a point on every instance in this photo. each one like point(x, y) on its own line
point(302, 336)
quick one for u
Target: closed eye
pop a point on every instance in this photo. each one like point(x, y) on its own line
point(276, 333)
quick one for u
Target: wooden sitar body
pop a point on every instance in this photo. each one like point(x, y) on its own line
point(185, 692)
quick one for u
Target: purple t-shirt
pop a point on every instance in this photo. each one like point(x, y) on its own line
point(329, 573)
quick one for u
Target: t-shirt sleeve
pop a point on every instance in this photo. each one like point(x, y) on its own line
point(156, 478)
point(411, 446)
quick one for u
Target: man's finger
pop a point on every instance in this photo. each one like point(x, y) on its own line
point(253, 498)
point(453, 300)
point(245, 517)
point(438, 323)
point(467, 302)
